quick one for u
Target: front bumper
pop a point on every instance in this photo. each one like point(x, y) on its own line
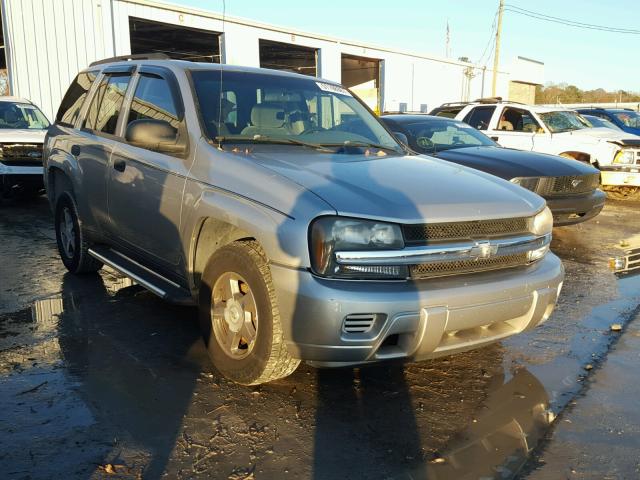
point(412, 320)
point(575, 209)
point(620, 176)
point(20, 170)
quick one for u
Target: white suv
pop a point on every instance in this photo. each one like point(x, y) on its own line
point(22, 130)
point(556, 131)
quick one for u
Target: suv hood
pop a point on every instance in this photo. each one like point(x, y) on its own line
point(603, 134)
point(508, 163)
point(409, 189)
point(22, 135)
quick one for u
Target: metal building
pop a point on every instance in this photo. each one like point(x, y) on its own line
point(46, 42)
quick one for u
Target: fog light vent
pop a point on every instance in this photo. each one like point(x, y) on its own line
point(359, 322)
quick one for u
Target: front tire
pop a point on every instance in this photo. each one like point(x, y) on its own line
point(239, 316)
point(72, 241)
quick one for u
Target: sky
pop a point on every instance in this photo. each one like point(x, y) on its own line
point(586, 58)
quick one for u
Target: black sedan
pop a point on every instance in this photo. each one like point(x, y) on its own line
point(570, 187)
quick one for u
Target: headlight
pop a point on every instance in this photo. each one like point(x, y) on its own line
point(328, 235)
point(530, 183)
point(542, 223)
point(625, 157)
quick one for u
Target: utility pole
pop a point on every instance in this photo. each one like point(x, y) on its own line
point(496, 56)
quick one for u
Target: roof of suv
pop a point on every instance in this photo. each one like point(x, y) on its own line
point(187, 65)
point(498, 101)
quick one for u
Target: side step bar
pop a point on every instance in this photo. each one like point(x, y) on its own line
point(152, 281)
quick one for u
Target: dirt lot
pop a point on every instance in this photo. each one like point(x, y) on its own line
point(98, 378)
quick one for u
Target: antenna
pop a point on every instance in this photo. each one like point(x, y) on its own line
point(222, 60)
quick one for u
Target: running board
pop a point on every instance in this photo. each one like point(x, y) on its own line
point(152, 281)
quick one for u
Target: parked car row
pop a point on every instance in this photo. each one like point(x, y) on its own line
point(559, 131)
point(298, 222)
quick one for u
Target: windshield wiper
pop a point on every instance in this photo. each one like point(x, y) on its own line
point(349, 143)
point(272, 141)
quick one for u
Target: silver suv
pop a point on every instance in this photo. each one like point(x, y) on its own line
point(284, 208)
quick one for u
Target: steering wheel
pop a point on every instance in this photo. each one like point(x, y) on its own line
point(312, 130)
point(424, 142)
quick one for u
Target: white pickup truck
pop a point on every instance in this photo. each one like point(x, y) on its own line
point(556, 131)
point(22, 130)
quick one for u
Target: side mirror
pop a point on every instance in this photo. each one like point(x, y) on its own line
point(402, 138)
point(156, 135)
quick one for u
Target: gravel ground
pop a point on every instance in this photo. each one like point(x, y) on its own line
point(98, 378)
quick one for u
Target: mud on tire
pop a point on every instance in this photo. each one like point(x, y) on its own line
point(268, 358)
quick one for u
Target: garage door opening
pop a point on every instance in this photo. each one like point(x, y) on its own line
point(284, 56)
point(4, 73)
point(362, 76)
point(182, 43)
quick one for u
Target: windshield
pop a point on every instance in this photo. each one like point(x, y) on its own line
point(629, 119)
point(563, 121)
point(267, 108)
point(434, 135)
point(22, 115)
point(598, 122)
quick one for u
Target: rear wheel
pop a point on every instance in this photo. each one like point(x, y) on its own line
point(72, 240)
point(239, 316)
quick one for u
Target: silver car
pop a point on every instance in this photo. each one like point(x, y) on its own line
point(281, 206)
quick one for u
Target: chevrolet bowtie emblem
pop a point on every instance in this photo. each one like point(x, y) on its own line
point(483, 250)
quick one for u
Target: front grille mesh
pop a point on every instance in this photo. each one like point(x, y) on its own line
point(21, 154)
point(568, 185)
point(454, 231)
point(441, 269)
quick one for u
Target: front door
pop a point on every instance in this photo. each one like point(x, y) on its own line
point(145, 187)
point(516, 128)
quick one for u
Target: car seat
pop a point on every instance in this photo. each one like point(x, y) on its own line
point(267, 119)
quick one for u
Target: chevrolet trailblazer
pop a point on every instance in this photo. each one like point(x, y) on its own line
point(284, 208)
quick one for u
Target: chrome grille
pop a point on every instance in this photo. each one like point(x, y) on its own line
point(21, 154)
point(452, 231)
point(442, 269)
point(569, 185)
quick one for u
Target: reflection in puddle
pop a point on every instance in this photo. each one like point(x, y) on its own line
point(497, 443)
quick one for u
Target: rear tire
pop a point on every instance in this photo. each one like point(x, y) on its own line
point(71, 237)
point(239, 316)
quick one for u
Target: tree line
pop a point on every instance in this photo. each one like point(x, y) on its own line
point(564, 93)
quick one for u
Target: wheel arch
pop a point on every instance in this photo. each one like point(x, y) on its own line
point(577, 155)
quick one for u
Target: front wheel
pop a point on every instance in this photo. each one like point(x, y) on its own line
point(72, 242)
point(239, 316)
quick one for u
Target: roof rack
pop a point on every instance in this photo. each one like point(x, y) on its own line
point(139, 56)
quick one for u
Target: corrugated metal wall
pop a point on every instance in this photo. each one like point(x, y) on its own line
point(49, 41)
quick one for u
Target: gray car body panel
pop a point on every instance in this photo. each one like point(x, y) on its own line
point(162, 209)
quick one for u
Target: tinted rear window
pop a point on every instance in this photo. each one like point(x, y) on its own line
point(74, 98)
point(479, 117)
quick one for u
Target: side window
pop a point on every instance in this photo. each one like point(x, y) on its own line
point(518, 120)
point(479, 117)
point(447, 112)
point(106, 104)
point(153, 100)
point(74, 98)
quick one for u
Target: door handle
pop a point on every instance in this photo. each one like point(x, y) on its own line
point(495, 139)
point(75, 150)
point(120, 165)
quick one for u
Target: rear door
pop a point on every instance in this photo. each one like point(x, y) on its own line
point(95, 141)
point(145, 187)
point(480, 117)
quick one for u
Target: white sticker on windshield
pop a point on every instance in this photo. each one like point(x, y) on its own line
point(328, 87)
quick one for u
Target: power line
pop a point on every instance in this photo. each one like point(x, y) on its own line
point(490, 42)
point(567, 22)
